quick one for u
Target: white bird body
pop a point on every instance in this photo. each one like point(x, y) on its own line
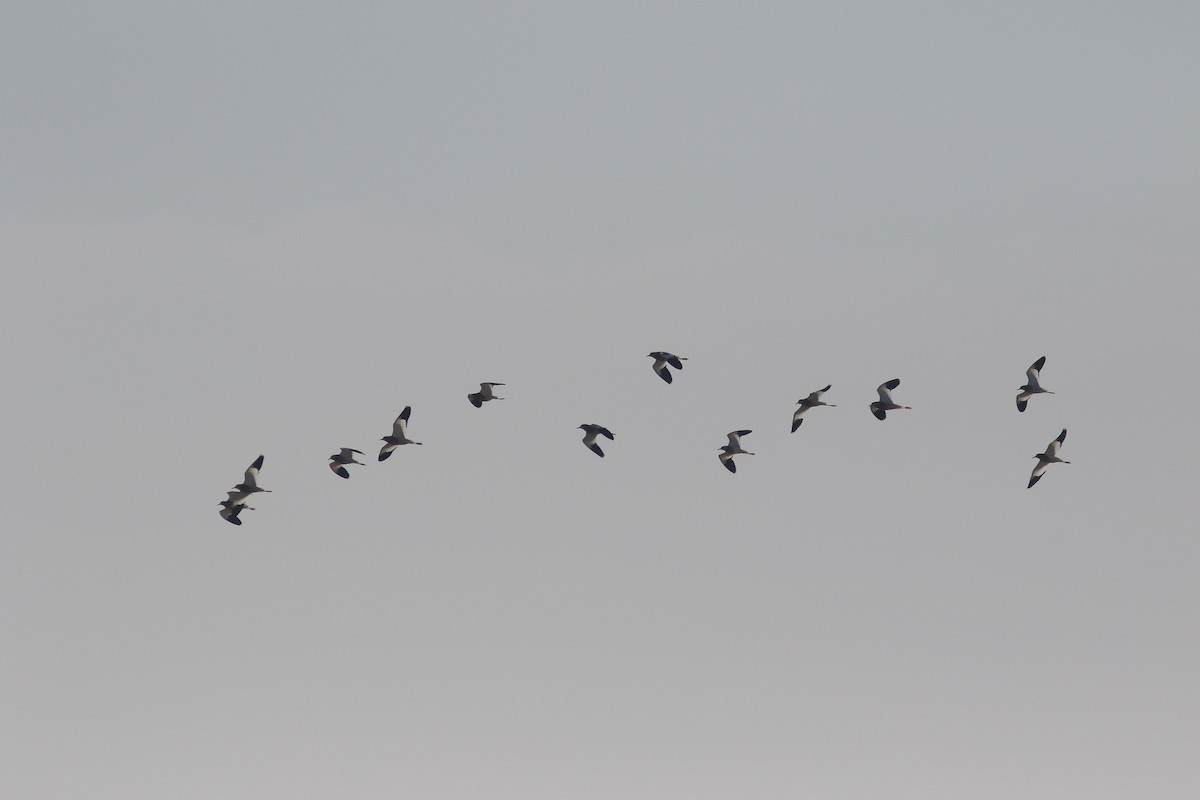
point(399, 435)
point(885, 404)
point(484, 394)
point(661, 360)
point(339, 460)
point(1032, 384)
point(734, 448)
point(591, 431)
point(812, 401)
point(1047, 458)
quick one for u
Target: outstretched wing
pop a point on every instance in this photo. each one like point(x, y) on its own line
point(735, 438)
point(251, 479)
point(1037, 473)
point(398, 425)
point(1034, 372)
point(815, 397)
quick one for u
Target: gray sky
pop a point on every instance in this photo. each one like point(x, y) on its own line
point(235, 229)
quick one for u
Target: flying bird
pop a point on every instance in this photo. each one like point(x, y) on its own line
point(484, 394)
point(1047, 458)
point(399, 435)
point(661, 360)
point(249, 484)
point(812, 401)
point(339, 460)
point(1032, 385)
point(884, 404)
point(232, 506)
point(591, 431)
point(734, 448)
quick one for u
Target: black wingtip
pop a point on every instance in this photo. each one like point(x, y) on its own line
point(475, 400)
point(595, 448)
point(341, 472)
point(729, 465)
point(796, 424)
point(384, 456)
point(893, 383)
point(879, 413)
point(404, 414)
point(1062, 437)
point(1033, 480)
point(665, 374)
point(1021, 404)
point(258, 462)
point(827, 388)
point(1041, 362)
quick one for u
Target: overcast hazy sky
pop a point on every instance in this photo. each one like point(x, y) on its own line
point(240, 228)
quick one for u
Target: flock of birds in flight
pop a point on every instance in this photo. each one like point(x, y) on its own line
point(235, 502)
